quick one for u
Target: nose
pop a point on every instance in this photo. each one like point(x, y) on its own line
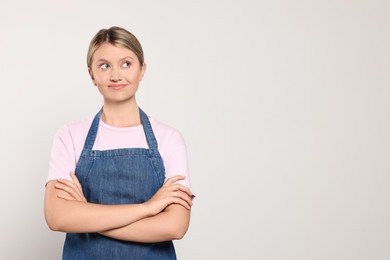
point(115, 75)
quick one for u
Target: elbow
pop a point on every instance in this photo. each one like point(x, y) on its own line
point(179, 232)
point(52, 208)
point(179, 236)
point(56, 225)
point(53, 226)
point(179, 222)
point(52, 223)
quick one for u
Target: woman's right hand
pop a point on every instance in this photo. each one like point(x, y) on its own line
point(170, 193)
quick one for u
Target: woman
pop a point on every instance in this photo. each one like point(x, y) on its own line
point(118, 183)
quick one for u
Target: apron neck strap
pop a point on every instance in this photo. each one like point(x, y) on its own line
point(93, 131)
point(150, 137)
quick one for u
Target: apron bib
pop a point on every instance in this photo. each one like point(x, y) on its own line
point(118, 176)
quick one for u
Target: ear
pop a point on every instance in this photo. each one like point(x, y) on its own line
point(143, 69)
point(91, 75)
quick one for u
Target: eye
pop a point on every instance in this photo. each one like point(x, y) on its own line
point(104, 66)
point(126, 64)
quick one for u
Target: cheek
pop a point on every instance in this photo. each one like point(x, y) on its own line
point(136, 76)
point(100, 79)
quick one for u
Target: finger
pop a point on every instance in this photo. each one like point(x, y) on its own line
point(181, 202)
point(66, 189)
point(73, 186)
point(174, 179)
point(65, 197)
point(76, 181)
point(66, 182)
point(184, 196)
point(177, 187)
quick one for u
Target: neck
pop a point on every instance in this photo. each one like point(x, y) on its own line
point(124, 114)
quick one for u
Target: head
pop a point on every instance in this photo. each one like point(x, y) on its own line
point(116, 36)
point(116, 63)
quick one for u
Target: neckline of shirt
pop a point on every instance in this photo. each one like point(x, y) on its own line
point(122, 129)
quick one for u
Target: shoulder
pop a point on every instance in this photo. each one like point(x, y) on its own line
point(165, 133)
point(74, 130)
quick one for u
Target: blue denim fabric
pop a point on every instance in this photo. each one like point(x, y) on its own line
point(119, 176)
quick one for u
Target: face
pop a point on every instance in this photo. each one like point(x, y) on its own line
point(116, 72)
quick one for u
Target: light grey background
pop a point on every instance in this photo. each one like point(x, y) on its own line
point(284, 106)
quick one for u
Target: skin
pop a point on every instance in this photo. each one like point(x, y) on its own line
point(116, 72)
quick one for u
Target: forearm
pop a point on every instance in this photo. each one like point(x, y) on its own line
point(170, 224)
point(81, 217)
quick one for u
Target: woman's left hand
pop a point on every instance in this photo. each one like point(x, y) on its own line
point(71, 190)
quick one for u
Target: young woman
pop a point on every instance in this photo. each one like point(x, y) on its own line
point(118, 183)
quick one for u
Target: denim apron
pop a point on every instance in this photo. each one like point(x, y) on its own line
point(119, 176)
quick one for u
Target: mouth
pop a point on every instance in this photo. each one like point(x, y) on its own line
point(116, 86)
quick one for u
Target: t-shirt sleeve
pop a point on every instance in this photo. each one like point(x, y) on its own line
point(62, 158)
point(176, 160)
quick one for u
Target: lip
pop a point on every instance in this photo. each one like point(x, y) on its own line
point(117, 86)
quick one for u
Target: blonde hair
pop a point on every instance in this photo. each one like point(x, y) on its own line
point(116, 36)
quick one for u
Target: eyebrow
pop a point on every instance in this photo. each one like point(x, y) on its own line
point(101, 60)
point(127, 57)
point(104, 60)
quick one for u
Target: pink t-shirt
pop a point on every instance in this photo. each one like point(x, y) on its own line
point(69, 142)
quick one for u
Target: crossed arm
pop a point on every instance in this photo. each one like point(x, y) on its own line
point(164, 217)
